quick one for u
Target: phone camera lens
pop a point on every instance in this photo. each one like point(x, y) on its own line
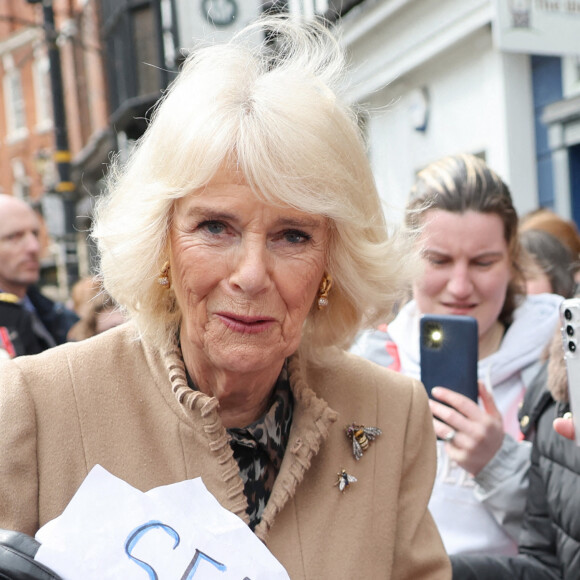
point(568, 314)
point(572, 346)
point(570, 330)
point(433, 335)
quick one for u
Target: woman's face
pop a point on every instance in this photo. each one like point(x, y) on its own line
point(467, 266)
point(245, 275)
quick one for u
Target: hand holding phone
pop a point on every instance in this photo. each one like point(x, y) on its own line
point(449, 353)
point(570, 326)
point(449, 358)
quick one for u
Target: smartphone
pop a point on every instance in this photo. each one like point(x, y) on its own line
point(449, 353)
point(570, 319)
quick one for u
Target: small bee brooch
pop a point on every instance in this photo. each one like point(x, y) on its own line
point(344, 480)
point(361, 437)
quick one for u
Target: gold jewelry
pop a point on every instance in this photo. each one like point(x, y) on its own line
point(323, 291)
point(344, 480)
point(163, 279)
point(361, 437)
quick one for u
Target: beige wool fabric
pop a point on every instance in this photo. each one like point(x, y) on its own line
point(116, 401)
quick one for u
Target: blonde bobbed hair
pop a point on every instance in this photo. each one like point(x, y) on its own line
point(271, 108)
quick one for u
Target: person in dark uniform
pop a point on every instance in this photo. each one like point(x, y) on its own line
point(29, 321)
point(16, 333)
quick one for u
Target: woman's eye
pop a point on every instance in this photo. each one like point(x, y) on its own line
point(213, 227)
point(485, 263)
point(296, 236)
point(435, 260)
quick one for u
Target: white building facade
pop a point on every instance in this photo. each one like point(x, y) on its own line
point(435, 83)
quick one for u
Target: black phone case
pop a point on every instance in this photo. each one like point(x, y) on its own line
point(450, 362)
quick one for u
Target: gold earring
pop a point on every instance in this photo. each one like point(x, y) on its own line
point(163, 279)
point(323, 291)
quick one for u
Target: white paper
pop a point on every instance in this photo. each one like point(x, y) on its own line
point(111, 530)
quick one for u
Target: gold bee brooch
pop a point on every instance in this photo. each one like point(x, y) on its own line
point(361, 437)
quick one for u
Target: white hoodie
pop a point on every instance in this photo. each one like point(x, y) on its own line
point(482, 514)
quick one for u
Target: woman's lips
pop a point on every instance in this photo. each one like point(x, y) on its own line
point(246, 324)
point(455, 308)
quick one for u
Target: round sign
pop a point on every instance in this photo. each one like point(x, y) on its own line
point(220, 13)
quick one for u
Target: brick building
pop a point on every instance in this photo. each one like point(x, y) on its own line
point(27, 122)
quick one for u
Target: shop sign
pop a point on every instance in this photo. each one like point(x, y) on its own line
point(538, 26)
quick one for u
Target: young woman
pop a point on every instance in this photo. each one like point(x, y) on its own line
point(467, 232)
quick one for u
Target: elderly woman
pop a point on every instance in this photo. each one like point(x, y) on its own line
point(472, 266)
point(245, 239)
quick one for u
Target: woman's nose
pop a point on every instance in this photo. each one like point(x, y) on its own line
point(251, 272)
point(460, 283)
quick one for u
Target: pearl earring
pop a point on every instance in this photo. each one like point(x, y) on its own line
point(163, 279)
point(323, 291)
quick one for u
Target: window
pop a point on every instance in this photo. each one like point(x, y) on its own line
point(146, 50)
point(42, 91)
point(15, 106)
point(571, 75)
point(21, 186)
point(168, 36)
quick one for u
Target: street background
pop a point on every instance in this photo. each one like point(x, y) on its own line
point(496, 78)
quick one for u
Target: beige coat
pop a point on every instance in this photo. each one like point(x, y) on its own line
point(115, 401)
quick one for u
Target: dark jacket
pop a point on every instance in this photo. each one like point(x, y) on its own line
point(57, 319)
point(549, 545)
point(16, 334)
point(17, 325)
